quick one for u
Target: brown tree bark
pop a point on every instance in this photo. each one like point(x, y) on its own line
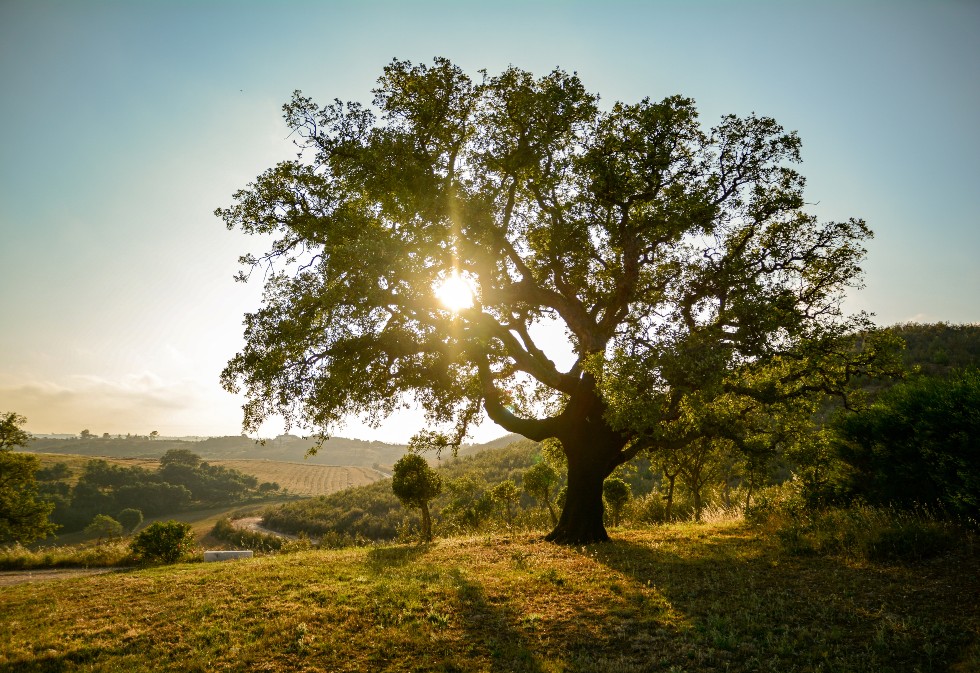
point(593, 450)
point(426, 523)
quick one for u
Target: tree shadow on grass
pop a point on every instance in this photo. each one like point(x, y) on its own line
point(491, 627)
point(380, 559)
point(767, 610)
point(76, 659)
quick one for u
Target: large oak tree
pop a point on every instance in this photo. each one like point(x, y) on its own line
point(678, 260)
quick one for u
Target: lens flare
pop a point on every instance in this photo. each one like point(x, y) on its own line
point(455, 293)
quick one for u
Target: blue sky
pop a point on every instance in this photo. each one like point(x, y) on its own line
point(123, 125)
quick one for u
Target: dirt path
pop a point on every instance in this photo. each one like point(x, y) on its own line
point(9, 578)
point(253, 524)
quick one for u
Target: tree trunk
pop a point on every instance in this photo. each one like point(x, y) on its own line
point(671, 478)
point(426, 523)
point(551, 512)
point(590, 460)
point(581, 517)
point(748, 494)
point(592, 447)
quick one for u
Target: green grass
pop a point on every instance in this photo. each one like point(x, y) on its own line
point(714, 597)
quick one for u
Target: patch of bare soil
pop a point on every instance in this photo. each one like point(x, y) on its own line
point(9, 578)
point(253, 524)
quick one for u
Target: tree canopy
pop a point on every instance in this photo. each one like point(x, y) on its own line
point(917, 444)
point(23, 515)
point(418, 244)
point(414, 483)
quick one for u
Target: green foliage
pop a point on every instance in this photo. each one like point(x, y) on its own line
point(940, 348)
point(414, 483)
point(56, 472)
point(552, 207)
point(162, 542)
point(469, 504)
point(506, 496)
point(373, 512)
point(181, 457)
point(130, 518)
point(369, 512)
point(917, 444)
point(617, 494)
point(104, 527)
point(108, 553)
point(23, 515)
point(540, 481)
point(182, 480)
point(12, 433)
point(223, 530)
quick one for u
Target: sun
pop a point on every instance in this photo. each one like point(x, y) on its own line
point(455, 293)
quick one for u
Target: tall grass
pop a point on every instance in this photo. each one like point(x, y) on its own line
point(108, 554)
point(863, 532)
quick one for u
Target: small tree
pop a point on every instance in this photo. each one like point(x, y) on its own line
point(616, 493)
point(469, 503)
point(163, 542)
point(415, 484)
point(182, 457)
point(539, 481)
point(506, 496)
point(105, 527)
point(130, 518)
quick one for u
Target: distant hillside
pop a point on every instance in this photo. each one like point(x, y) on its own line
point(286, 448)
point(373, 512)
point(938, 348)
point(289, 448)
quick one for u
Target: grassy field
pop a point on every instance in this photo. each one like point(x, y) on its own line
point(714, 597)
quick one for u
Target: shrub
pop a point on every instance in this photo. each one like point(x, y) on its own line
point(19, 557)
point(130, 518)
point(162, 542)
point(917, 445)
point(104, 527)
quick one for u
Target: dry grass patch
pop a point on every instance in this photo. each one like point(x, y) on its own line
point(681, 598)
point(304, 478)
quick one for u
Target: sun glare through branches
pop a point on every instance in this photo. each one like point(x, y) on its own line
point(455, 293)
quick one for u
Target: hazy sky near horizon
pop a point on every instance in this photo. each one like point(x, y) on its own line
point(123, 125)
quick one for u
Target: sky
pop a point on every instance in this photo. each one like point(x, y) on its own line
point(123, 125)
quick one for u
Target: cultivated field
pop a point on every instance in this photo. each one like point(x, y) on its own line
point(303, 478)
